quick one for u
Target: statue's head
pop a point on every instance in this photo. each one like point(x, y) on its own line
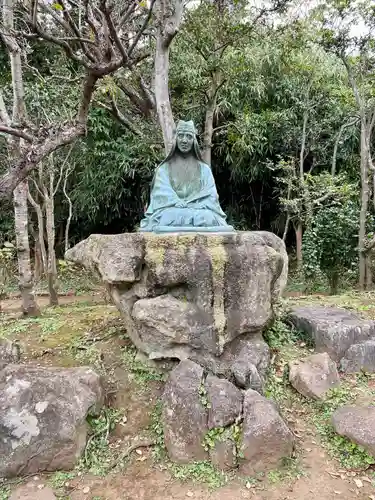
point(185, 136)
point(185, 140)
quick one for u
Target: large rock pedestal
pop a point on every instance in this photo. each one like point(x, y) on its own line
point(205, 297)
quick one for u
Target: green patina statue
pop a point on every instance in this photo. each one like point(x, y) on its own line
point(183, 191)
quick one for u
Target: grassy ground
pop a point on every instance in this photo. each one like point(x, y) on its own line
point(125, 457)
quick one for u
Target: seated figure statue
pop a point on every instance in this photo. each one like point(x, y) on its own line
point(183, 191)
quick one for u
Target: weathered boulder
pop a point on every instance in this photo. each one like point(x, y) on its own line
point(191, 295)
point(9, 353)
point(163, 321)
point(336, 331)
point(225, 402)
point(359, 357)
point(30, 491)
point(357, 423)
point(43, 417)
point(184, 414)
point(266, 439)
point(314, 376)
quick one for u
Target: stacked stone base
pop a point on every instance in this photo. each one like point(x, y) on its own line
point(209, 418)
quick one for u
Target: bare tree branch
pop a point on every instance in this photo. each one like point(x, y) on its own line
point(62, 168)
point(338, 138)
point(70, 204)
point(16, 133)
point(96, 40)
point(120, 117)
point(4, 115)
point(142, 29)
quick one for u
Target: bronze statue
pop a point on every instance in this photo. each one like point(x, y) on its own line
point(183, 191)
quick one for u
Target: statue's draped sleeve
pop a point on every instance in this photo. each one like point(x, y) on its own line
point(162, 195)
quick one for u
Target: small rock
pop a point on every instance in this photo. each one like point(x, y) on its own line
point(250, 366)
point(357, 423)
point(184, 416)
point(225, 402)
point(266, 438)
point(358, 483)
point(223, 454)
point(314, 376)
point(86, 490)
point(190, 494)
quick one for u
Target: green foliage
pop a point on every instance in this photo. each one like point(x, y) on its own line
point(281, 334)
point(72, 277)
point(45, 324)
point(98, 457)
point(102, 193)
point(290, 469)
point(156, 430)
point(330, 243)
point(203, 397)
point(142, 373)
point(212, 436)
point(350, 455)
point(59, 478)
point(4, 492)
point(199, 472)
point(232, 432)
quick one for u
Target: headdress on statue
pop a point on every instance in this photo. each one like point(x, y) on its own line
point(188, 127)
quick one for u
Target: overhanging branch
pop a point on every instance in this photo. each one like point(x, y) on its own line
point(16, 133)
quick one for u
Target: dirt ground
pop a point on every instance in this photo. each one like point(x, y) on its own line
point(84, 330)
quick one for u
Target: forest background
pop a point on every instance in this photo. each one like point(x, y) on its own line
point(282, 94)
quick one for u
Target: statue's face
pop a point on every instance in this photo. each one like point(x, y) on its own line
point(185, 141)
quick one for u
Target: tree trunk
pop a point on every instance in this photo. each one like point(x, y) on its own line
point(51, 270)
point(41, 242)
point(208, 131)
point(163, 104)
point(29, 306)
point(67, 227)
point(364, 206)
point(298, 230)
point(368, 271)
point(216, 82)
point(168, 15)
point(334, 279)
point(38, 265)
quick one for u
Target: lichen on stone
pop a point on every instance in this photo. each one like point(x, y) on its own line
point(158, 244)
point(218, 255)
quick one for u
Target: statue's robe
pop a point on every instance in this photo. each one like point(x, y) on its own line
point(191, 206)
